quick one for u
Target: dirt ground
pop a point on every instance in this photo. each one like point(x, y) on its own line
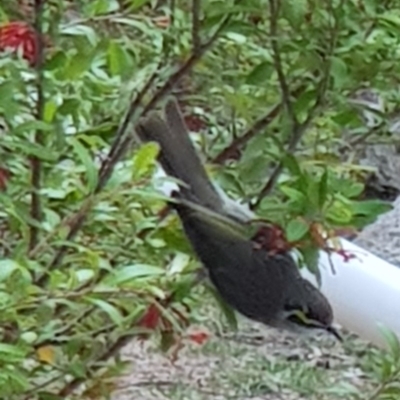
point(254, 363)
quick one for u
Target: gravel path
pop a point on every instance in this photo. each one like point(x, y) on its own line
point(256, 363)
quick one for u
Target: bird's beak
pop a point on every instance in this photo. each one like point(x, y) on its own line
point(333, 331)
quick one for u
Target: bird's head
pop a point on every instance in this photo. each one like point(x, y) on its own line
point(307, 309)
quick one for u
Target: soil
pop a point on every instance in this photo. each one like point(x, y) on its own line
point(256, 363)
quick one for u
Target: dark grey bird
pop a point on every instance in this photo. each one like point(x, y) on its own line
point(264, 287)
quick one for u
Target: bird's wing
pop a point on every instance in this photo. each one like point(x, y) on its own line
point(248, 279)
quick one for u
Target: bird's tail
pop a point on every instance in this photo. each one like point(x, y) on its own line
point(178, 156)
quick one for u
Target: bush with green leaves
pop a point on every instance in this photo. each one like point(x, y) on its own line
point(87, 263)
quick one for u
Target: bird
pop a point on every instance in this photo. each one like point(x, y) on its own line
point(264, 287)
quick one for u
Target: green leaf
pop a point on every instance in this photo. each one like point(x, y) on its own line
point(108, 308)
point(7, 267)
point(184, 288)
point(34, 149)
point(99, 7)
point(81, 30)
point(260, 74)
point(50, 109)
point(310, 259)
point(69, 107)
point(323, 188)
point(294, 12)
point(136, 4)
point(293, 194)
point(339, 213)
point(32, 126)
point(49, 396)
point(339, 72)
point(391, 18)
point(352, 189)
point(17, 382)
point(7, 89)
point(132, 272)
point(119, 61)
point(11, 353)
point(370, 207)
point(90, 168)
point(78, 65)
point(296, 229)
point(392, 340)
point(290, 162)
point(144, 159)
point(227, 310)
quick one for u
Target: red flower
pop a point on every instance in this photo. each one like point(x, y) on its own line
point(19, 35)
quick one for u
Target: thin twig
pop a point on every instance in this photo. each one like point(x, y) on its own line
point(172, 7)
point(110, 161)
point(252, 131)
point(36, 166)
point(123, 145)
point(196, 42)
point(187, 66)
point(110, 352)
point(300, 129)
point(276, 55)
point(171, 83)
point(294, 140)
point(76, 223)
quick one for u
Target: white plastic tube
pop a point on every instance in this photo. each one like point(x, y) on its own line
point(364, 292)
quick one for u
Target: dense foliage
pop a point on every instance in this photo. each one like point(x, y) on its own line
point(87, 260)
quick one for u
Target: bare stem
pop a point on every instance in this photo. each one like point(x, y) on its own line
point(196, 6)
point(36, 166)
point(300, 128)
point(276, 54)
point(260, 124)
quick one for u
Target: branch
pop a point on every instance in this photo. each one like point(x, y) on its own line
point(294, 140)
point(172, 7)
point(110, 352)
point(36, 165)
point(251, 132)
point(112, 158)
point(187, 66)
point(300, 129)
point(196, 6)
point(276, 55)
point(125, 144)
point(172, 81)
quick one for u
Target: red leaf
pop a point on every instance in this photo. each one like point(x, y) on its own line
point(17, 34)
point(271, 237)
point(4, 177)
point(199, 337)
point(163, 21)
point(151, 317)
point(194, 123)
